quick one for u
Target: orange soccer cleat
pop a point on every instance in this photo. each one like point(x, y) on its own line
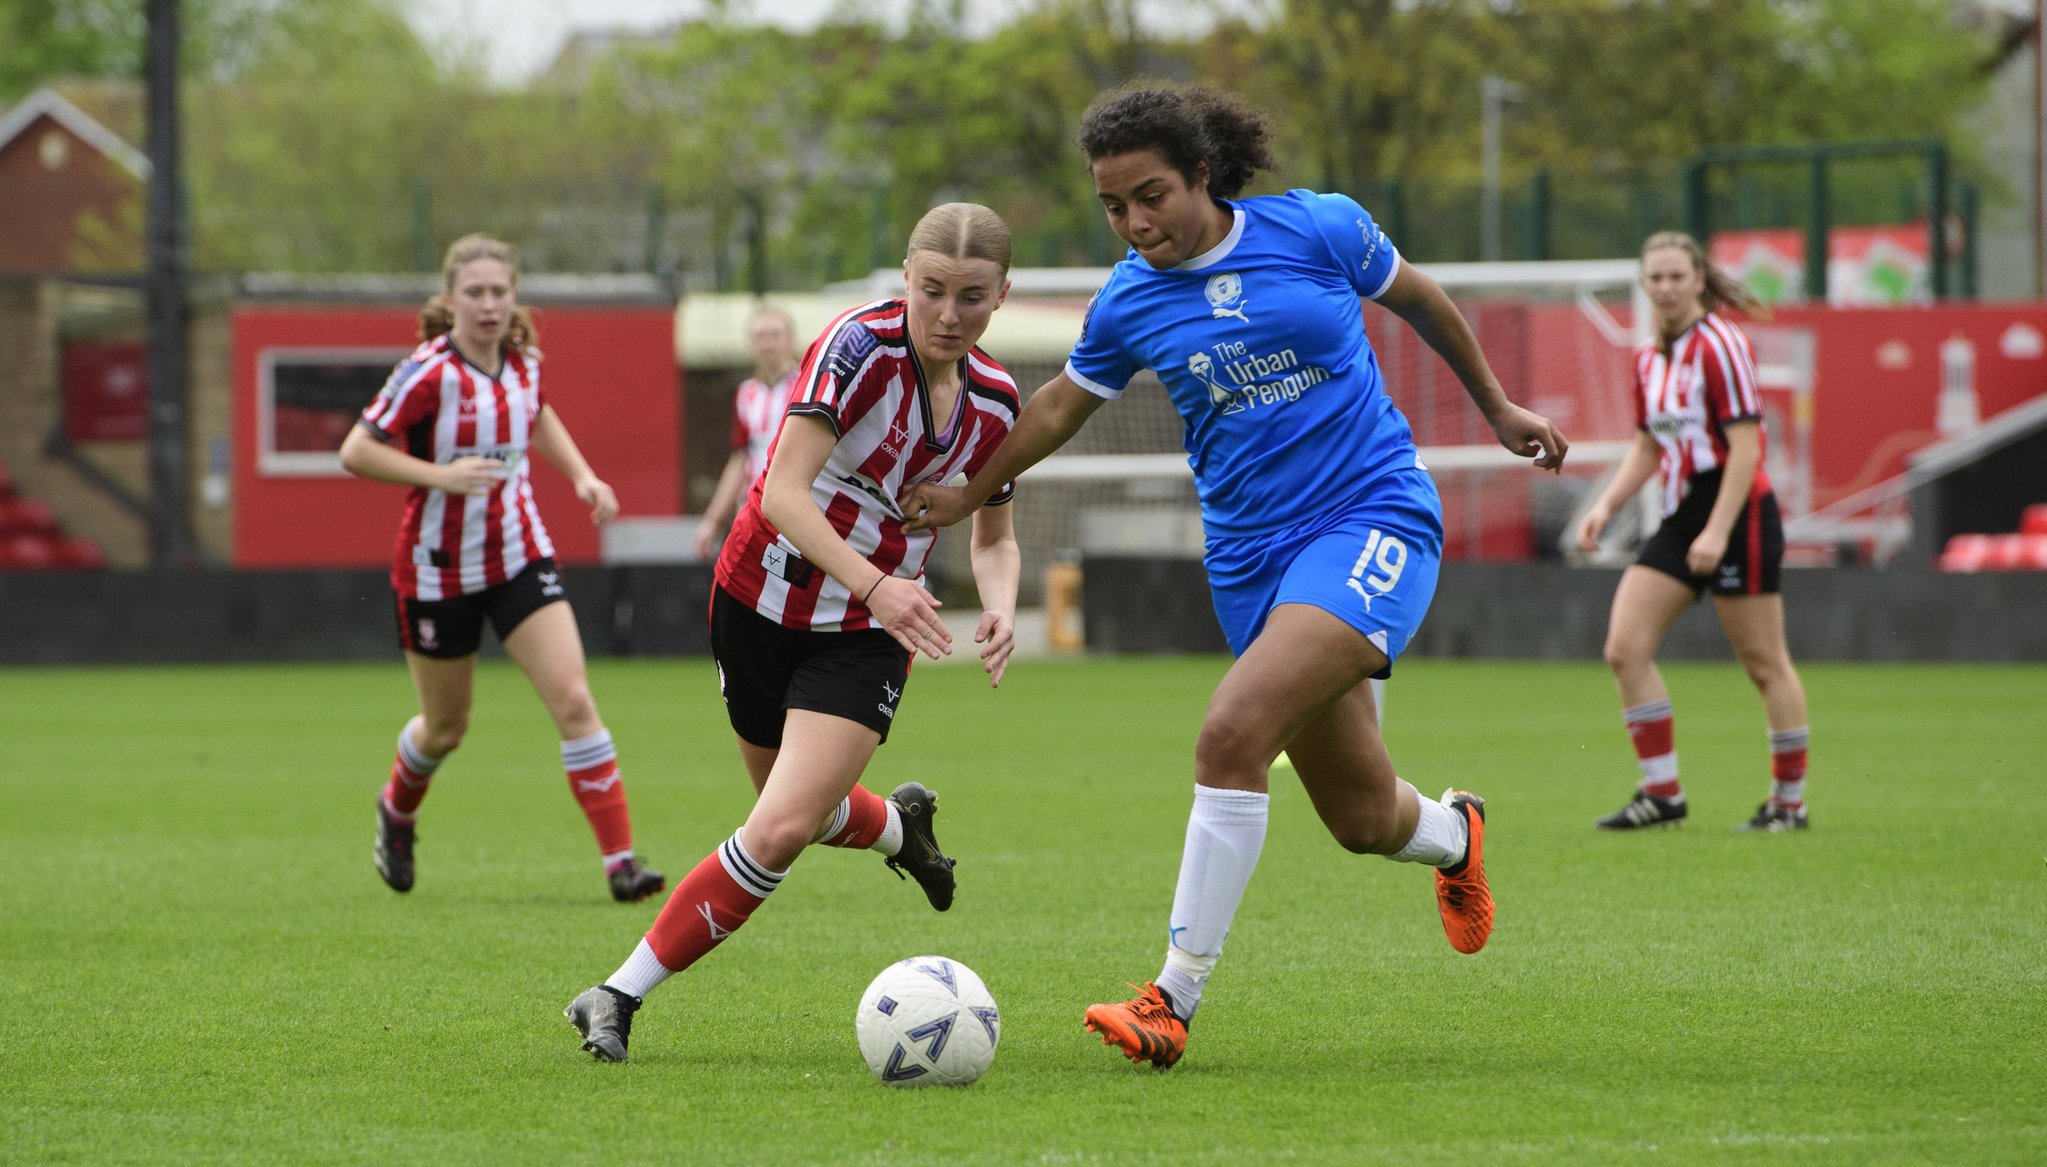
point(1145, 1028)
point(1462, 897)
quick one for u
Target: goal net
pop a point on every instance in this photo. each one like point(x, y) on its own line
point(1557, 334)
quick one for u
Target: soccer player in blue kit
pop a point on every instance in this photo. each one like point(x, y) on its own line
point(1324, 530)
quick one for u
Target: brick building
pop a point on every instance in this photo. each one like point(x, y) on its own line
point(72, 190)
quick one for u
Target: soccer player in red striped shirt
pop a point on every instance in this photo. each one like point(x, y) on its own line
point(1699, 410)
point(455, 423)
point(820, 605)
point(757, 407)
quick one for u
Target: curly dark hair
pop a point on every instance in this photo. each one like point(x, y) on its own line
point(1187, 125)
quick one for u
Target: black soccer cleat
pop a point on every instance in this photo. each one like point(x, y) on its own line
point(631, 883)
point(393, 849)
point(604, 1016)
point(1772, 817)
point(920, 855)
point(1645, 810)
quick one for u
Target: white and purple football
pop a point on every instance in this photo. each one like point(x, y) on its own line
point(928, 1021)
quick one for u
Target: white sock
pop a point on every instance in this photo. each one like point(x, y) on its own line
point(416, 759)
point(589, 750)
point(1440, 834)
point(891, 840)
point(1788, 791)
point(1225, 832)
point(640, 972)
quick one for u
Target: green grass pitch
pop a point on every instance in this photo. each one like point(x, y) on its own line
point(197, 963)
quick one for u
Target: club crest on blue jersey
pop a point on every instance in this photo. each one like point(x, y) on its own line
point(1226, 296)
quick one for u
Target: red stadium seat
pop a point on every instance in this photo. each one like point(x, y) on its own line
point(26, 516)
point(1964, 553)
point(2032, 554)
point(79, 555)
point(31, 539)
point(2033, 520)
point(2004, 553)
point(27, 552)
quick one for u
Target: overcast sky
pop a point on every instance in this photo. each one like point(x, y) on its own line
point(523, 35)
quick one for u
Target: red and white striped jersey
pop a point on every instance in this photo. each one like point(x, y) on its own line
point(1685, 399)
point(862, 376)
point(439, 407)
point(756, 415)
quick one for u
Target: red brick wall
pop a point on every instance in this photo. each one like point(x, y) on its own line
point(50, 206)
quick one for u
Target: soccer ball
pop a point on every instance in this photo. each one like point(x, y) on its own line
point(927, 1021)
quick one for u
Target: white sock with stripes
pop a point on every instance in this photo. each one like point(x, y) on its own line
point(835, 821)
point(416, 759)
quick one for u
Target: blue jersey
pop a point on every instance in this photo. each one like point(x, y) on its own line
point(1261, 342)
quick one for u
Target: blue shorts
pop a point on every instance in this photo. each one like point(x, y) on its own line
point(1371, 564)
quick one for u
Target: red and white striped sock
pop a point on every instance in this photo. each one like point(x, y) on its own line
point(858, 822)
point(1787, 767)
point(710, 903)
point(1651, 729)
point(411, 770)
point(592, 765)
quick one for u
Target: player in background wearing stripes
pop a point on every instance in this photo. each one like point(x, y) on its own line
point(1323, 528)
point(1700, 414)
point(455, 423)
point(819, 604)
point(757, 407)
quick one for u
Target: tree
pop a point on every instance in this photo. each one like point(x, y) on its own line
point(1367, 89)
point(42, 40)
point(1660, 79)
point(937, 116)
point(302, 141)
point(323, 136)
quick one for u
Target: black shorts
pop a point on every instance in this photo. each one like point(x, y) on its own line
point(453, 628)
point(1754, 563)
point(766, 669)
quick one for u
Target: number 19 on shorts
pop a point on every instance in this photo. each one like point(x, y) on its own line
point(1378, 568)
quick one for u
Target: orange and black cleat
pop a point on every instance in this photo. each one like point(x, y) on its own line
point(1145, 1028)
point(1461, 893)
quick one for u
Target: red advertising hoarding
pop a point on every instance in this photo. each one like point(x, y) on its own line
point(106, 391)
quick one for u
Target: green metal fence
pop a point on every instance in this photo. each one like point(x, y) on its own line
point(1818, 186)
point(752, 241)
